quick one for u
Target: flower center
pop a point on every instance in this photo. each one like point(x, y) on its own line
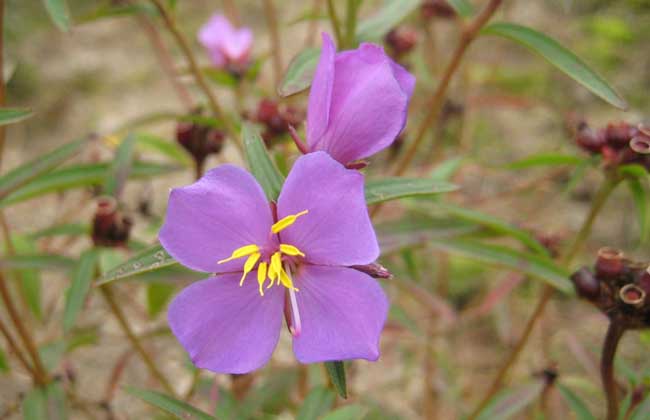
point(271, 268)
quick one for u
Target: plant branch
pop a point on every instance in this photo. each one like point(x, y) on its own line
point(276, 52)
point(15, 349)
point(468, 34)
point(614, 333)
point(608, 185)
point(135, 342)
point(195, 70)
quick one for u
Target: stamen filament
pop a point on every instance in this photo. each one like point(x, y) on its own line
point(296, 326)
point(286, 221)
point(241, 252)
point(249, 265)
point(290, 250)
point(261, 276)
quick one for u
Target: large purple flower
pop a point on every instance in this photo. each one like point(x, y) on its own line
point(358, 102)
point(227, 46)
point(300, 258)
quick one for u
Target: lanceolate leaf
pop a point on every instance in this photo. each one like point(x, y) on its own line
point(81, 280)
point(318, 402)
point(510, 402)
point(300, 72)
point(378, 25)
point(30, 170)
point(336, 372)
point(347, 412)
point(165, 147)
point(641, 197)
point(37, 261)
point(13, 115)
point(120, 167)
point(393, 188)
point(75, 176)
point(545, 159)
point(178, 409)
point(148, 260)
point(535, 265)
point(58, 11)
point(559, 56)
point(577, 406)
point(260, 163)
point(463, 7)
point(30, 279)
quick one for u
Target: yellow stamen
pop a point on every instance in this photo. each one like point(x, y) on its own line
point(276, 267)
point(241, 252)
point(261, 276)
point(286, 280)
point(287, 221)
point(249, 265)
point(290, 250)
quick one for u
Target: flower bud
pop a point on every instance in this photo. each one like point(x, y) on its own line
point(633, 295)
point(588, 140)
point(619, 135)
point(586, 284)
point(401, 40)
point(200, 141)
point(375, 270)
point(609, 263)
point(111, 228)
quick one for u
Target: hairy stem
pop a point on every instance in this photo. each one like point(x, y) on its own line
point(336, 24)
point(195, 70)
point(107, 292)
point(434, 106)
point(608, 185)
point(614, 333)
point(276, 51)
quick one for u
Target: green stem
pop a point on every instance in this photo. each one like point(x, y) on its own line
point(606, 188)
point(351, 23)
point(107, 292)
point(276, 51)
point(336, 24)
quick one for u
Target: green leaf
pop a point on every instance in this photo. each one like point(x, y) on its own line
point(34, 405)
point(510, 402)
point(30, 279)
point(318, 402)
point(4, 366)
point(58, 11)
point(336, 373)
point(120, 167)
point(641, 197)
point(463, 7)
point(497, 225)
point(633, 170)
point(158, 294)
point(535, 265)
point(300, 72)
point(178, 409)
point(167, 148)
point(75, 176)
point(447, 169)
point(220, 77)
point(81, 280)
point(36, 261)
point(57, 407)
point(13, 115)
point(545, 159)
point(21, 175)
point(260, 163)
point(642, 411)
point(577, 406)
point(392, 188)
point(150, 259)
point(559, 56)
point(71, 229)
point(378, 25)
point(348, 412)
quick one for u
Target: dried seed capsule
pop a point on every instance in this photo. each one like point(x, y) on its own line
point(609, 263)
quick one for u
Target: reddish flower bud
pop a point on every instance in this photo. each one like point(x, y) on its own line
point(587, 139)
point(276, 119)
point(586, 284)
point(437, 8)
point(619, 135)
point(401, 40)
point(644, 280)
point(200, 141)
point(609, 263)
point(110, 227)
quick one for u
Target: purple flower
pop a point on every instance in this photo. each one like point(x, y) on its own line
point(300, 257)
point(227, 45)
point(358, 102)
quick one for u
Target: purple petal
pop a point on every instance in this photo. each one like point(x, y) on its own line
point(342, 313)
point(337, 229)
point(369, 104)
point(238, 44)
point(214, 31)
point(206, 221)
point(226, 328)
point(320, 94)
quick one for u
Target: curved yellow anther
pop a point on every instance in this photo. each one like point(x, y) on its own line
point(286, 280)
point(261, 276)
point(287, 221)
point(290, 250)
point(276, 267)
point(249, 265)
point(241, 252)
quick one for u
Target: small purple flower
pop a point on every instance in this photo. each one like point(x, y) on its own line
point(358, 102)
point(228, 46)
point(300, 258)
